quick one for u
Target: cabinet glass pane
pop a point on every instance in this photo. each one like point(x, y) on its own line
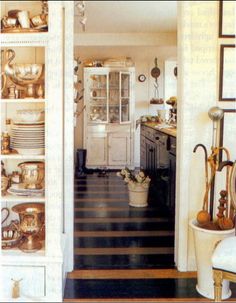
point(125, 97)
point(98, 98)
point(114, 97)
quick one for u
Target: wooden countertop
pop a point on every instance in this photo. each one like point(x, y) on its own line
point(169, 131)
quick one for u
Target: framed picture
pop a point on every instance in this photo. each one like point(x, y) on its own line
point(227, 73)
point(226, 19)
point(227, 133)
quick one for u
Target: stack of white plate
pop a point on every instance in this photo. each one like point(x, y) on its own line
point(28, 138)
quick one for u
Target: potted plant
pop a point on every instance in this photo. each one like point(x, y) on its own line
point(138, 186)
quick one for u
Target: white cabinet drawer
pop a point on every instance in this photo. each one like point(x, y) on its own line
point(32, 284)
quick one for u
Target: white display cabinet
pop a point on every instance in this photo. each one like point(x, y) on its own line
point(109, 116)
point(41, 271)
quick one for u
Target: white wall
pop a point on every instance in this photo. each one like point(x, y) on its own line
point(143, 57)
point(170, 80)
point(198, 58)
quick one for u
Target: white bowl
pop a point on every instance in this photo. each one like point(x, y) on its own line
point(30, 115)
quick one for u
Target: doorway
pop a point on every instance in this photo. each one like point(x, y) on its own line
point(125, 44)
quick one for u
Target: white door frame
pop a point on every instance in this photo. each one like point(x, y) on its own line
point(182, 208)
point(69, 135)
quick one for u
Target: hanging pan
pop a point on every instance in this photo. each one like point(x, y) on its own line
point(155, 72)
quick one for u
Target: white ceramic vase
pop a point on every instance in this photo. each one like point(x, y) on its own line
point(138, 195)
point(205, 242)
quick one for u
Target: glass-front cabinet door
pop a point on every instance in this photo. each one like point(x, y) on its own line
point(98, 98)
point(109, 97)
point(124, 97)
point(119, 97)
point(114, 97)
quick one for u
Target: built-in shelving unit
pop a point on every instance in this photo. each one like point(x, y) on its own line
point(39, 269)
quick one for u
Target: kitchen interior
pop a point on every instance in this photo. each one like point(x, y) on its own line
point(126, 116)
point(95, 45)
point(137, 126)
point(153, 83)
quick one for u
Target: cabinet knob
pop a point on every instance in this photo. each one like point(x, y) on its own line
point(151, 150)
point(157, 138)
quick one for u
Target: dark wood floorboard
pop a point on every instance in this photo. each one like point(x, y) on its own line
point(124, 254)
point(141, 288)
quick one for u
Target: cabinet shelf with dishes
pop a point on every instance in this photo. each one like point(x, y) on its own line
point(23, 123)
point(24, 17)
point(31, 157)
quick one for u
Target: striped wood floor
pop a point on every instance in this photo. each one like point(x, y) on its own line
point(122, 253)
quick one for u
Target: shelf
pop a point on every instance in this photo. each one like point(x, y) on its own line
point(114, 88)
point(27, 39)
point(97, 122)
point(15, 256)
point(17, 252)
point(99, 98)
point(23, 199)
point(22, 157)
point(122, 105)
point(25, 100)
point(98, 105)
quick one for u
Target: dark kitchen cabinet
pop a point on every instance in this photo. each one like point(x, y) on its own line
point(158, 160)
point(143, 164)
point(172, 173)
point(153, 150)
point(154, 160)
point(151, 156)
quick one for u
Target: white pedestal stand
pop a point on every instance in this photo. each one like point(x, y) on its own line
point(205, 241)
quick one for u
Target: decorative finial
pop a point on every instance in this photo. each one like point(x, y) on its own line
point(215, 113)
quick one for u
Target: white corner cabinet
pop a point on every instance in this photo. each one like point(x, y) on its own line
point(40, 272)
point(109, 116)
